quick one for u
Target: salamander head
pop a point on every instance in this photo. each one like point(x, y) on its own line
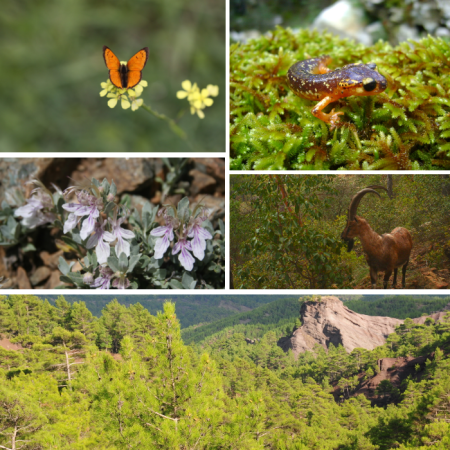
point(361, 79)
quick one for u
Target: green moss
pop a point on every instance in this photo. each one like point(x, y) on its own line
point(405, 127)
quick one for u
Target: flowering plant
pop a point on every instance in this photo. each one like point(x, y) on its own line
point(119, 247)
point(198, 100)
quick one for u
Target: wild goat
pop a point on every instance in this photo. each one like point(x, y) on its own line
point(385, 253)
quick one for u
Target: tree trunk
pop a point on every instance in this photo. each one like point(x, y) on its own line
point(390, 186)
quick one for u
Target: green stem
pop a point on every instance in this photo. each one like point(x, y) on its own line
point(174, 127)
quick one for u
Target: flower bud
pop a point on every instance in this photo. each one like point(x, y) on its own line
point(88, 278)
point(110, 197)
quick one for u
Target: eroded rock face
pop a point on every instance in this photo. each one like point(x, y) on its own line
point(395, 370)
point(330, 322)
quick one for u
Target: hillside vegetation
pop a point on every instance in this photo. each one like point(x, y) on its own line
point(400, 306)
point(191, 309)
point(127, 380)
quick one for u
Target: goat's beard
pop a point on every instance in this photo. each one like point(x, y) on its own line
point(350, 243)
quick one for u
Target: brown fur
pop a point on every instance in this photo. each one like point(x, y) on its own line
point(385, 253)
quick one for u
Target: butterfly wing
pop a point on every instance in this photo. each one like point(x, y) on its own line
point(135, 66)
point(113, 64)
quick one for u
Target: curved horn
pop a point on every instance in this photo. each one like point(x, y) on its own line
point(377, 186)
point(356, 199)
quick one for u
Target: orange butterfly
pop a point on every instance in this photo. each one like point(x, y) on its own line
point(125, 76)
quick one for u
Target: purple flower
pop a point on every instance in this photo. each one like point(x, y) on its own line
point(88, 205)
point(122, 246)
point(162, 244)
point(102, 249)
point(200, 235)
point(166, 233)
point(104, 280)
point(33, 212)
point(122, 282)
point(185, 258)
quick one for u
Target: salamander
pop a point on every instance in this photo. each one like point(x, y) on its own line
point(313, 80)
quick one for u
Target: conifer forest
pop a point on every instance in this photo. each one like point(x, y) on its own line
point(127, 380)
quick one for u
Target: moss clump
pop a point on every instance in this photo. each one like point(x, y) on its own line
point(405, 128)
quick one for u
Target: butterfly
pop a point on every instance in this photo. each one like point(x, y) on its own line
point(125, 76)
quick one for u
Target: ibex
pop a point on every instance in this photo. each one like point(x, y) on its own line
point(385, 253)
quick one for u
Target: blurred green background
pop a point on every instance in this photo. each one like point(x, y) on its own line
point(52, 66)
point(264, 15)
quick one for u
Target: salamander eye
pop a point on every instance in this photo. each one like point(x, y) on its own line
point(369, 84)
point(372, 66)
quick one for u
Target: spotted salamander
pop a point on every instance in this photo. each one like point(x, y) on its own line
point(313, 80)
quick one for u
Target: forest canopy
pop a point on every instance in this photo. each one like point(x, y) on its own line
point(127, 380)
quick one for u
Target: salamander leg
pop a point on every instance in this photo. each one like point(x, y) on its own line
point(332, 118)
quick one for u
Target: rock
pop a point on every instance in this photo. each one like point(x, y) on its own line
point(405, 32)
point(330, 322)
point(201, 183)
point(16, 172)
point(8, 283)
point(174, 200)
point(3, 269)
point(22, 279)
point(54, 281)
point(216, 205)
point(40, 275)
point(394, 370)
point(51, 260)
point(244, 36)
point(8, 345)
point(129, 175)
point(437, 317)
point(214, 167)
point(444, 273)
point(76, 267)
point(430, 280)
point(345, 20)
point(138, 202)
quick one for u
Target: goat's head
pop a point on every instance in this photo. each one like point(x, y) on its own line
point(354, 223)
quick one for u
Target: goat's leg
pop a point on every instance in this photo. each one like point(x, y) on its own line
point(373, 277)
point(404, 274)
point(394, 282)
point(387, 275)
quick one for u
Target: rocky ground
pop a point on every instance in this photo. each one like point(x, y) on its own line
point(143, 179)
point(422, 272)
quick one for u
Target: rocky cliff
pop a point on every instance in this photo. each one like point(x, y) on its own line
point(328, 321)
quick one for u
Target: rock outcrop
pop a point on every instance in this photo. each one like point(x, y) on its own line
point(328, 321)
point(395, 370)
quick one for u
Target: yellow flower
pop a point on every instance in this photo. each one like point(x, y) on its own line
point(136, 103)
point(199, 112)
point(189, 90)
point(115, 97)
point(127, 97)
point(213, 90)
point(202, 99)
point(106, 88)
point(197, 99)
